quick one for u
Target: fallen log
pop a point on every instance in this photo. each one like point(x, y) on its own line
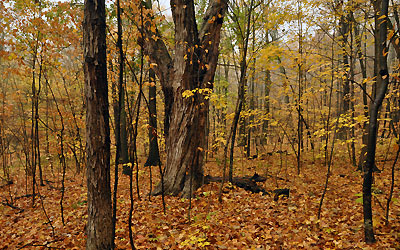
point(284, 192)
point(248, 183)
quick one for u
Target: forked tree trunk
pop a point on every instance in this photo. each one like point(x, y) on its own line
point(191, 71)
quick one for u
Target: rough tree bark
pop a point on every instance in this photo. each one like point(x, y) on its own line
point(99, 224)
point(192, 68)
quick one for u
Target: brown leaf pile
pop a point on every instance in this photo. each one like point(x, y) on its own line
point(243, 221)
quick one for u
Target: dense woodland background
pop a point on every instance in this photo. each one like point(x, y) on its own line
point(295, 89)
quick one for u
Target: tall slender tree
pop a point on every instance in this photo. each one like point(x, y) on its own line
point(99, 224)
point(117, 117)
point(153, 158)
point(381, 10)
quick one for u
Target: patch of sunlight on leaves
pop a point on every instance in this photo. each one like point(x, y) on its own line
point(153, 238)
point(79, 204)
point(208, 217)
point(194, 240)
point(360, 198)
point(329, 230)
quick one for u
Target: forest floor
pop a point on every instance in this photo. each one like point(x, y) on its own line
point(242, 221)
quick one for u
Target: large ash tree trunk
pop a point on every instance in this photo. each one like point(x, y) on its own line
point(192, 69)
point(185, 145)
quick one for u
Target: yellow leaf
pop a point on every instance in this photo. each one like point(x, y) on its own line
point(390, 35)
point(187, 94)
point(384, 53)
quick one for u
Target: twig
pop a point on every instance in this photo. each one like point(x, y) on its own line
point(12, 206)
point(42, 245)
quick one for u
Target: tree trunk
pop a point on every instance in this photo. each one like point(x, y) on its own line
point(99, 224)
point(345, 93)
point(351, 97)
point(363, 68)
point(124, 157)
point(117, 118)
point(190, 73)
point(267, 89)
point(300, 92)
point(242, 83)
point(252, 95)
point(153, 158)
point(185, 148)
point(383, 79)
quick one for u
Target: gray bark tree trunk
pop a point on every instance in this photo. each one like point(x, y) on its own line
point(192, 69)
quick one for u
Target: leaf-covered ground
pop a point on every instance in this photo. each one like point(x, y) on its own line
point(242, 221)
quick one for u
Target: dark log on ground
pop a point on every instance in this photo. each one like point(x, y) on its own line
point(256, 178)
point(248, 183)
point(284, 192)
